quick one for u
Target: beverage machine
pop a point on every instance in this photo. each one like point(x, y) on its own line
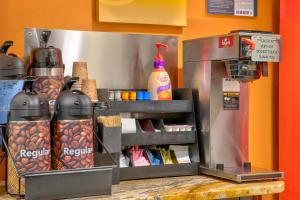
point(219, 70)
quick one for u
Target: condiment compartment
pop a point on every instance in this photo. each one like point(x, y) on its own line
point(184, 169)
point(142, 137)
point(182, 102)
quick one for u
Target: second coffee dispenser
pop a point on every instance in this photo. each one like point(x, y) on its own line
point(73, 129)
point(46, 63)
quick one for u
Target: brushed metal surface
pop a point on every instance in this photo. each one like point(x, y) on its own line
point(115, 60)
point(206, 49)
point(223, 133)
point(238, 174)
point(48, 71)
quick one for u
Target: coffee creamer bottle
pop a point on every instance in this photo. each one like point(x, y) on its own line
point(159, 83)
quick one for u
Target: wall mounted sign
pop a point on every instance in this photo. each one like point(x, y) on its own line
point(267, 48)
point(232, 7)
point(157, 12)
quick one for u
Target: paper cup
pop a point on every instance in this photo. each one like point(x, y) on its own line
point(89, 88)
point(80, 70)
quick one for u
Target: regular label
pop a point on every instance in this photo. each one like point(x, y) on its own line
point(231, 100)
point(267, 49)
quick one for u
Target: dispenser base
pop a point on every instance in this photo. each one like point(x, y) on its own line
point(239, 174)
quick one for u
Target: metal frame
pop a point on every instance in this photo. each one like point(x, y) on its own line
point(182, 104)
point(68, 183)
point(223, 132)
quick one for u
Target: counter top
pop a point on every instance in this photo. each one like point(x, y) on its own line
point(184, 188)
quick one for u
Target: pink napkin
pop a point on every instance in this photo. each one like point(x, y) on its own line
point(138, 158)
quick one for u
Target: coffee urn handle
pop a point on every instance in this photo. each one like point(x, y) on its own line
point(5, 46)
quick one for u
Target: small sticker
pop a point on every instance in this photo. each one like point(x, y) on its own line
point(231, 100)
point(230, 85)
point(226, 42)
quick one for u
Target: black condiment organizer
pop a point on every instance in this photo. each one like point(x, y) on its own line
point(181, 108)
point(142, 137)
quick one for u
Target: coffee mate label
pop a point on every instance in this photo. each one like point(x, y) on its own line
point(164, 90)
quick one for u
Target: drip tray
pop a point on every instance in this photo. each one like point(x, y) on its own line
point(239, 174)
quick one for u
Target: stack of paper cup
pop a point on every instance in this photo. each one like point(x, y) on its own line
point(89, 88)
point(79, 70)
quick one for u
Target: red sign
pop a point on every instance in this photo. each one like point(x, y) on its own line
point(225, 42)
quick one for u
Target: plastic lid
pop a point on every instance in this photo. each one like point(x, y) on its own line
point(10, 65)
point(29, 104)
point(73, 104)
point(46, 57)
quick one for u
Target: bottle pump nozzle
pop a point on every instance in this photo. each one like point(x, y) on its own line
point(159, 60)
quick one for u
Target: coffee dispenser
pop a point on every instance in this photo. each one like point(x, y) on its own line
point(47, 65)
point(73, 129)
point(28, 136)
point(11, 78)
point(219, 70)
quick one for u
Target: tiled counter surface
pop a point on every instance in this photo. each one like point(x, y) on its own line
point(184, 188)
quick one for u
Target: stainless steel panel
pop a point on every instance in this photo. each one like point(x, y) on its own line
point(115, 60)
point(228, 128)
point(197, 76)
point(206, 49)
point(223, 133)
point(48, 71)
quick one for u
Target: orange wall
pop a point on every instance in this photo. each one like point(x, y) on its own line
point(15, 15)
point(289, 107)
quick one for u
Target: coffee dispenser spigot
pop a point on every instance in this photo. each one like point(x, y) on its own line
point(45, 35)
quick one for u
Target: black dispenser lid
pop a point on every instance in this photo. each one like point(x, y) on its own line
point(46, 57)
point(10, 65)
point(29, 105)
point(73, 104)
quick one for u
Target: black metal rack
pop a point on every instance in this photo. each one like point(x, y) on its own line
point(181, 109)
point(161, 138)
point(68, 183)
